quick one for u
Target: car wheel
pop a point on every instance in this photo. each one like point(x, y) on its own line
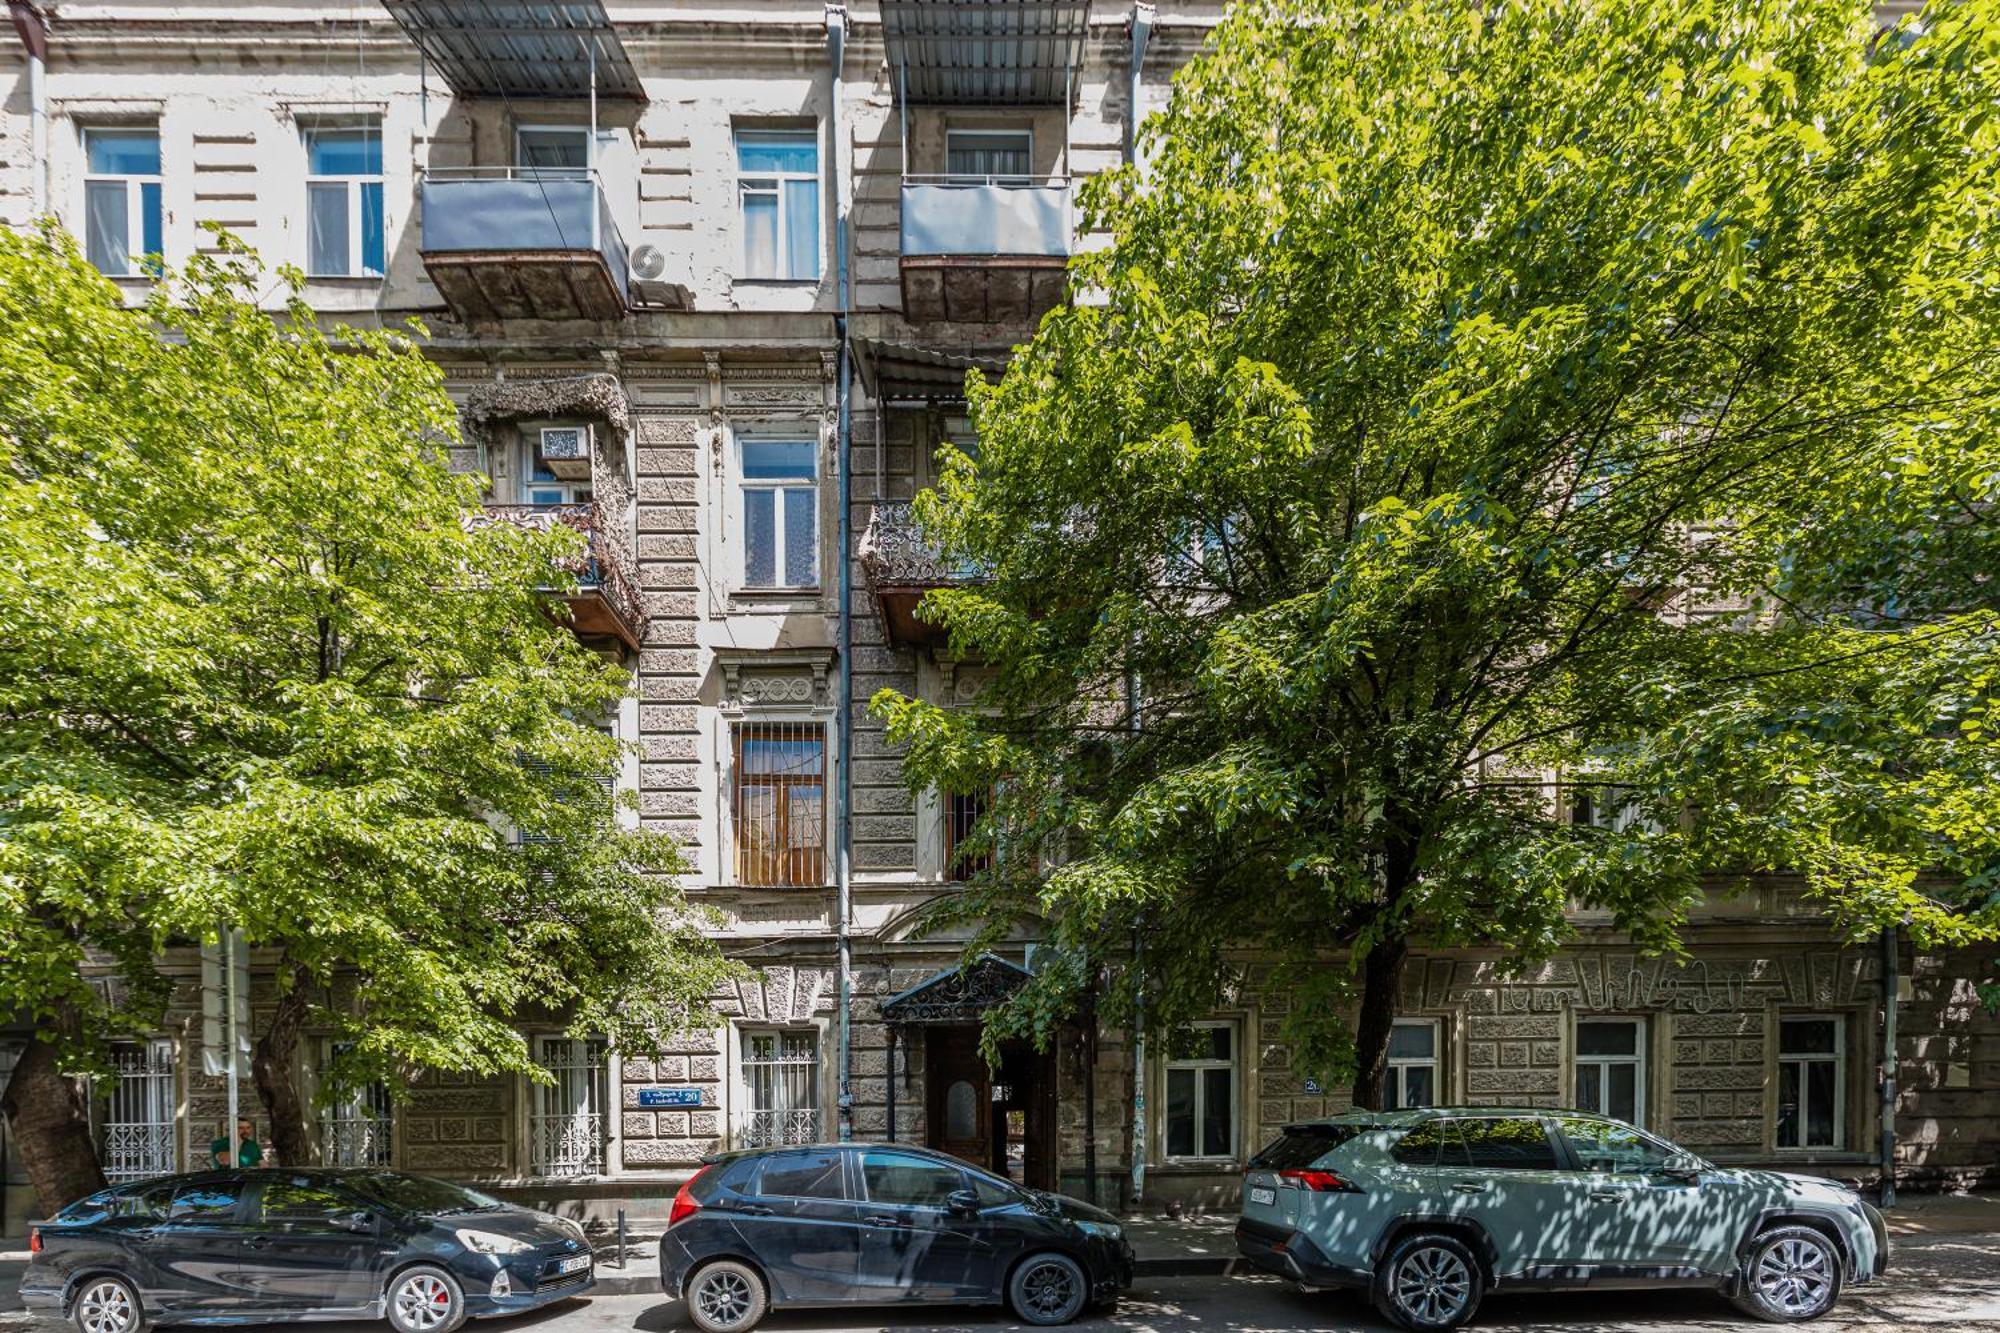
point(1428, 1282)
point(425, 1300)
point(1047, 1289)
point(1791, 1274)
point(108, 1305)
point(727, 1297)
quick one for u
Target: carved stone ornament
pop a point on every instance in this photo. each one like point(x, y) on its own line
point(597, 396)
point(753, 678)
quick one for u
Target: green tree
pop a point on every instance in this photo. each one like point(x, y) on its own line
point(258, 668)
point(1445, 412)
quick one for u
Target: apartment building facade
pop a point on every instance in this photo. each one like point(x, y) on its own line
point(705, 279)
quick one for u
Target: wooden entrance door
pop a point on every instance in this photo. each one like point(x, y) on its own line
point(958, 1088)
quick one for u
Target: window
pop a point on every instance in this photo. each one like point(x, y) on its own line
point(1413, 1065)
point(540, 447)
point(1002, 156)
point(1613, 1148)
point(962, 813)
point(354, 1131)
point(778, 183)
point(802, 1175)
point(1425, 1143)
point(121, 199)
point(909, 1182)
point(780, 1088)
point(1611, 1067)
point(297, 1203)
point(139, 1118)
point(344, 202)
point(1810, 1078)
point(781, 804)
point(1201, 1091)
point(213, 1201)
point(1514, 1144)
point(561, 151)
point(1301, 1146)
point(780, 514)
point(566, 1132)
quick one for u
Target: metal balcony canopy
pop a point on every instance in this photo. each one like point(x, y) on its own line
point(520, 48)
point(984, 52)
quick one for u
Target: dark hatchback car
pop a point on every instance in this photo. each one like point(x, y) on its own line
point(242, 1247)
point(875, 1224)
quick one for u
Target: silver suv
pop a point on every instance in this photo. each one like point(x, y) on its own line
point(1430, 1210)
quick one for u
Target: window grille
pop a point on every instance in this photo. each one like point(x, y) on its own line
point(139, 1119)
point(780, 806)
point(566, 1132)
point(963, 811)
point(780, 1088)
point(356, 1130)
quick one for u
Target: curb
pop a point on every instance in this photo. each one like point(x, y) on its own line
point(639, 1283)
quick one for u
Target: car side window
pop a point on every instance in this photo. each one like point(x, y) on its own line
point(1602, 1146)
point(910, 1182)
point(296, 1201)
point(1422, 1145)
point(1515, 1143)
point(210, 1201)
point(802, 1175)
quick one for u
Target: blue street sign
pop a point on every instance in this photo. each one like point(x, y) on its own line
point(670, 1096)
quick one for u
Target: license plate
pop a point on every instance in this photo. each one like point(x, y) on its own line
point(576, 1265)
point(1263, 1196)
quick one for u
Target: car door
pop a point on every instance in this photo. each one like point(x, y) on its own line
point(1506, 1174)
point(796, 1214)
point(310, 1247)
point(1640, 1220)
point(914, 1245)
point(194, 1253)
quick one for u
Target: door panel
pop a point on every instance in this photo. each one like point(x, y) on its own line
point(296, 1258)
point(959, 1092)
point(913, 1242)
point(800, 1223)
point(1505, 1174)
point(196, 1252)
point(1637, 1217)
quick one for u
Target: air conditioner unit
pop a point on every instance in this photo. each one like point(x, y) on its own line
point(649, 284)
point(565, 452)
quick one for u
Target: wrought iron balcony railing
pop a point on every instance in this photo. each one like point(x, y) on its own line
point(606, 600)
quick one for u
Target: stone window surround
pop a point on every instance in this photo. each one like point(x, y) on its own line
point(736, 1096)
point(727, 545)
point(521, 1111)
point(776, 686)
point(1247, 1068)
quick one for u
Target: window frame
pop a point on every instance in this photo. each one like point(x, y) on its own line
point(145, 1077)
point(135, 208)
point(772, 184)
point(354, 188)
point(1837, 1058)
point(1026, 132)
point(747, 1107)
point(1198, 1066)
point(815, 854)
point(1394, 1073)
point(599, 1084)
point(955, 837)
point(521, 164)
point(1642, 1034)
point(577, 491)
point(780, 487)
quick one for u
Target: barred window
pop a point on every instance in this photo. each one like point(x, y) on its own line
point(962, 813)
point(781, 804)
point(780, 1087)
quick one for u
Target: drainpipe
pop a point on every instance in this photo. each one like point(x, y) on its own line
point(34, 34)
point(836, 45)
point(1142, 31)
point(1890, 983)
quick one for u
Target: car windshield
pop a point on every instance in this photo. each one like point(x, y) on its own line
point(418, 1194)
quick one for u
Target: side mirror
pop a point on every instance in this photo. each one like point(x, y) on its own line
point(1683, 1166)
point(961, 1203)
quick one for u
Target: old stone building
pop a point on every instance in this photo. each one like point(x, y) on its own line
point(706, 279)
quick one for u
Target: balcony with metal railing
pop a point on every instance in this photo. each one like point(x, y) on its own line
point(984, 249)
point(522, 243)
point(901, 565)
point(605, 603)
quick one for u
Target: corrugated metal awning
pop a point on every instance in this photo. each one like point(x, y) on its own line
point(899, 372)
point(984, 52)
point(520, 48)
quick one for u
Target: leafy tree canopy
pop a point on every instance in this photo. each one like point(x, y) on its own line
point(1470, 394)
point(257, 667)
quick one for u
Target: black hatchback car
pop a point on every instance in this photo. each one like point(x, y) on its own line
point(879, 1224)
point(243, 1247)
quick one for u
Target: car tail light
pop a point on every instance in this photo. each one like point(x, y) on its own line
point(1320, 1182)
point(685, 1204)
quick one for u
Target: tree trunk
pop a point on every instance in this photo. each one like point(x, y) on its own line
point(1381, 986)
point(49, 1113)
point(275, 1065)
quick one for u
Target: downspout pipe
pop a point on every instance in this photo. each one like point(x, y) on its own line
point(1142, 31)
point(836, 47)
point(1891, 983)
point(33, 30)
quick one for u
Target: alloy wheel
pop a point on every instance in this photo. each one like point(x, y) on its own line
point(105, 1308)
point(1049, 1289)
point(724, 1298)
point(1432, 1285)
point(1795, 1276)
point(423, 1302)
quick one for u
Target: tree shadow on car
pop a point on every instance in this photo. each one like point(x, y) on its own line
point(671, 1317)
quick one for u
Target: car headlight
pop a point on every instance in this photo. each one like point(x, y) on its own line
point(1108, 1230)
point(490, 1242)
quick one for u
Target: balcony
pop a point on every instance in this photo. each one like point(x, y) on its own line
point(901, 566)
point(984, 249)
point(515, 243)
point(606, 602)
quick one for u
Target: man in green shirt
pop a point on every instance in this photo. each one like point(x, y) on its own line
point(248, 1152)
